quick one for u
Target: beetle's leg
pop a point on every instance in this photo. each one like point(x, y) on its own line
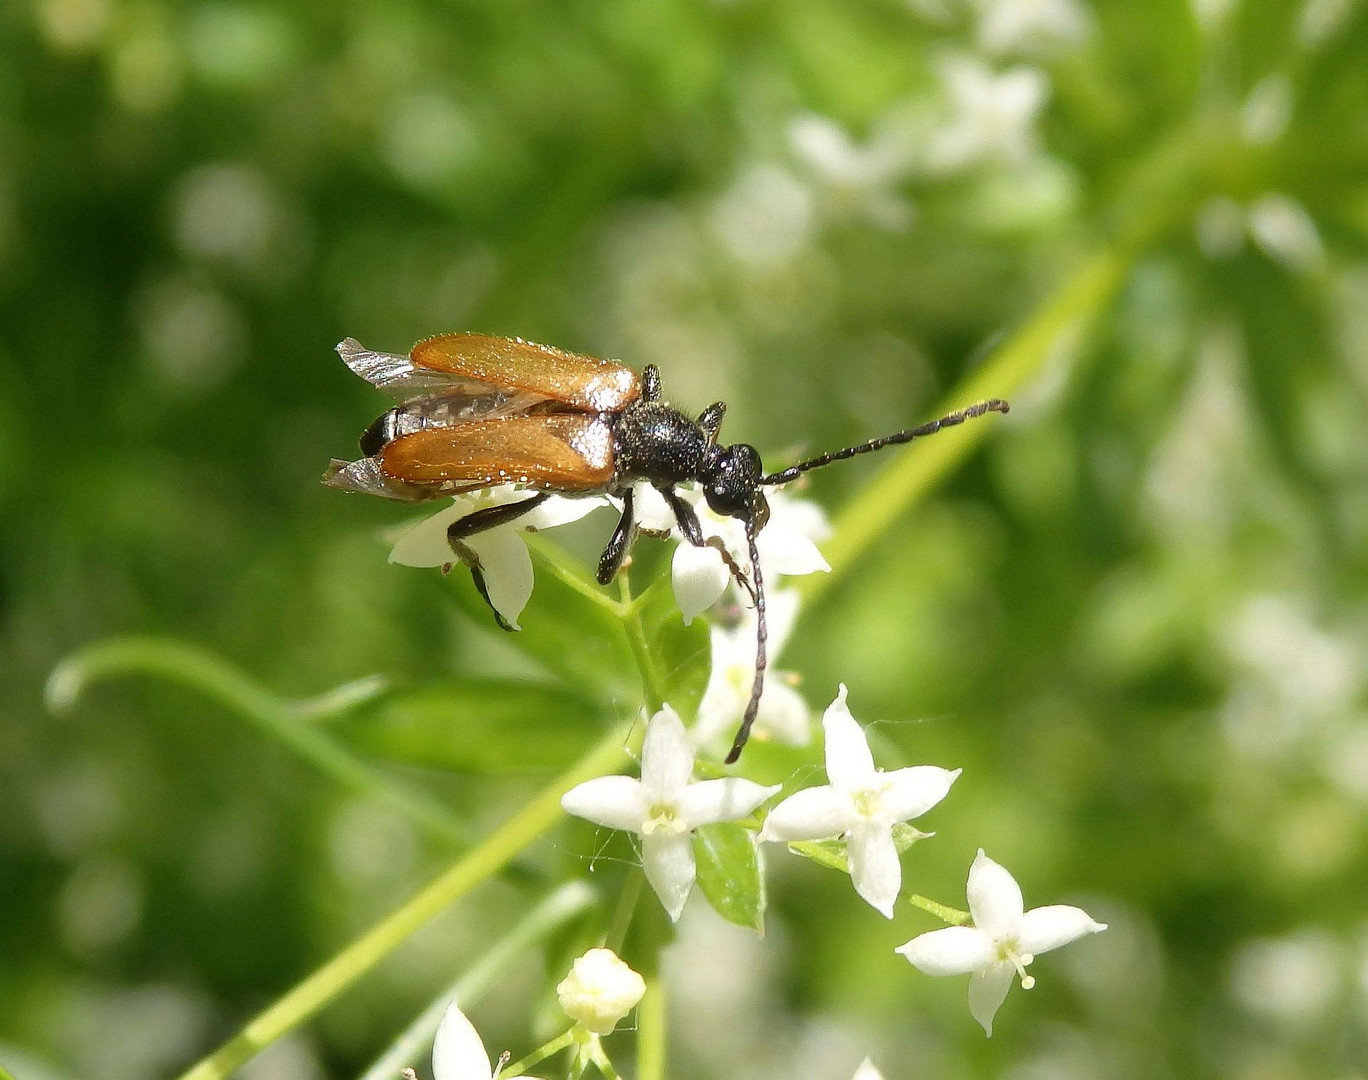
point(710, 419)
point(619, 544)
point(482, 521)
point(684, 515)
point(693, 533)
point(650, 383)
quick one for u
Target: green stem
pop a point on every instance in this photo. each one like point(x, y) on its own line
point(948, 915)
point(476, 867)
point(601, 1061)
point(542, 921)
point(274, 715)
point(651, 1032)
point(647, 594)
point(550, 558)
point(651, 685)
point(555, 1046)
point(908, 476)
point(626, 908)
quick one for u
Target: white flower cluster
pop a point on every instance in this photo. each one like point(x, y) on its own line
point(458, 1053)
point(700, 578)
point(860, 805)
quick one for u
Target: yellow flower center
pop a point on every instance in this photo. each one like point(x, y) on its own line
point(663, 818)
point(1010, 952)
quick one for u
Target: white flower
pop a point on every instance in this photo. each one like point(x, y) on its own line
point(1002, 941)
point(1286, 232)
point(783, 715)
point(458, 1053)
point(503, 556)
point(600, 990)
point(993, 115)
point(867, 1071)
point(787, 544)
point(861, 177)
point(664, 806)
point(1007, 26)
point(863, 804)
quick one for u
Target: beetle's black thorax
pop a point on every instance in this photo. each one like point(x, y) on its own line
point(652, 441)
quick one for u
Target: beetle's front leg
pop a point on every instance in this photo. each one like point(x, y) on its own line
point(619, 544)
point(688, 523)
point(490, 517)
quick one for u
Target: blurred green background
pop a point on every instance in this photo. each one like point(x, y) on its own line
point(1136, 617)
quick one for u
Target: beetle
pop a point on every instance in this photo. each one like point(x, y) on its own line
point(475, 411)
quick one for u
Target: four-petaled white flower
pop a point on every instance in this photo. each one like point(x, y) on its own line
point(600, 990)
point(664, 806)
point(1002, 942)
point(859, 177)
point(787, 544)
point(863, 804)
point(784, 715)
point(993, 116)
point(458, 1052)
point(504, 561)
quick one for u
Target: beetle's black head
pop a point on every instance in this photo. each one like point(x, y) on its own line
point(731, 483)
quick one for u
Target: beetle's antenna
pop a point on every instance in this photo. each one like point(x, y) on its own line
point(794, 471)
point(761, 637)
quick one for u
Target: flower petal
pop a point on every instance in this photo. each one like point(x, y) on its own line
point(560, 510)
point(994, 898)
point(874, 866)
point(956, 950)
point(667, 757)
point(781, 615)
point(810, 814)
point(619, 802)
point(987, 991)
point(650, 508)
point(667, 858)
point(425, 542)
point(699, 578)
point(867, 1071)
point(912, 792)
point(507, 570)
point(783, 716)
point(789, 553)
point(849, 763)
point(458, 1053)
point(1046, 928)
point(728, 799)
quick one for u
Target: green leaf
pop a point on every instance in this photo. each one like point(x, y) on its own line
point(566, 633)
point(832, 853)
point(729, 873)
point(477, 725)
point(828, 853)
point(905, 835)
point(682, 654)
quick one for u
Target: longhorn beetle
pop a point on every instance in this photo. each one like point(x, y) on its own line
point(475, 411)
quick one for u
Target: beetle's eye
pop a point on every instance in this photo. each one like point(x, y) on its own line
point(722, 498)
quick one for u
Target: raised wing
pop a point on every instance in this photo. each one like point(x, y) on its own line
point(583, 382)
point(462, 395)
point(566, 452)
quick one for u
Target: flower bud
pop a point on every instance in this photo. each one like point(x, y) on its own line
point(600, 990)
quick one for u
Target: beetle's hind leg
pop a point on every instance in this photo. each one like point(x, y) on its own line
point(490, 517)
